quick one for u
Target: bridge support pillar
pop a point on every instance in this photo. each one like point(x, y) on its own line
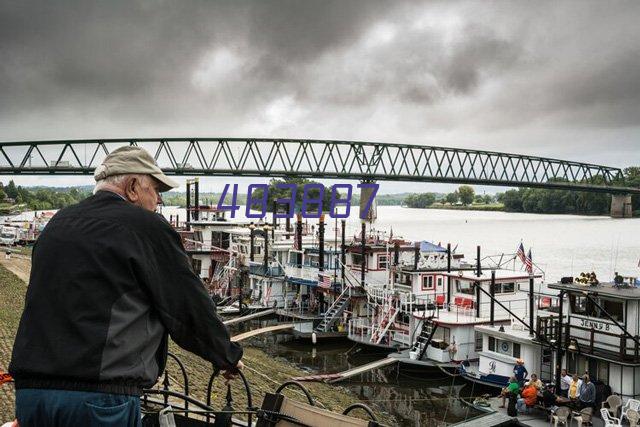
point(365, 194)
point(621, 206)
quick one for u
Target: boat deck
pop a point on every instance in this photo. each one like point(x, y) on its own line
point(497, 416)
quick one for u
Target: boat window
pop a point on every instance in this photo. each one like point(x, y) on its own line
point(439, 282)
point(464, 287)
point(356, 260)
point(427, 282)
point(492, 344)
point(603, 371)
point(443, 334)
point(478, 341)
point(197, 236)
point(516, 350)
point(196, 264)
point(614, 307)
point(583, 305)
point(508, 288)
point(504, 288)
point(383, 262)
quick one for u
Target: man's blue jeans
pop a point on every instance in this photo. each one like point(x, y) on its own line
point(59, 408)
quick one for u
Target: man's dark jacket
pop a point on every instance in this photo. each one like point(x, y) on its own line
point(108, 281)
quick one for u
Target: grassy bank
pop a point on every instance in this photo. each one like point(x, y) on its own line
point(263, 372)
point(12, 291)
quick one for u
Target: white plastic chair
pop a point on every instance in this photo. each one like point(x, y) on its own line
point(560, 416)
point(583, 417)
point(631, 404)
point(633, 417)
point(609, 421)
point(612, 404)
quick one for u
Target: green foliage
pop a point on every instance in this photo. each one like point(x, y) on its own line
point(452, 198)
point(421, 201)
point(275, 193)
point(466, 194)
point(43, 198)
point(538, 200)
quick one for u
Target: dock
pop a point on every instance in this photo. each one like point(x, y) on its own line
point(253, 333)
point(250, 316)
point(340, 376)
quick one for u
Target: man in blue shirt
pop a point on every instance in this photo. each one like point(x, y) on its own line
point(520, 372)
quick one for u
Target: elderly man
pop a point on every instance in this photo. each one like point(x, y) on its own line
point(109, 282)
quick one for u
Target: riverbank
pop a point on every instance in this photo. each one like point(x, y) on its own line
point(264, 372)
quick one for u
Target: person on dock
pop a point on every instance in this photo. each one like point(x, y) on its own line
point(520, 372)
point(565, 383)
point(110, 282)
point(587, 398)
point(528, 400)
point(535, 381)
point(512, 389)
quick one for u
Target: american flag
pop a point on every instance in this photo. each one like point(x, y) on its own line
point(324, 281)
point(521, 254)
point(529, 263)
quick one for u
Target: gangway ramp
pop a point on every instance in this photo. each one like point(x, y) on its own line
point(340, 376)
point(253, 333)
point(250, 316)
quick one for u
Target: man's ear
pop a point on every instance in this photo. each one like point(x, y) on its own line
point(130, 189)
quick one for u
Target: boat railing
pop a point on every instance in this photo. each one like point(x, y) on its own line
point(362, 330)
point(612, 344)
point(260, 269)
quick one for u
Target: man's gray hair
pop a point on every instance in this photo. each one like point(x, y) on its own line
point(116, 180)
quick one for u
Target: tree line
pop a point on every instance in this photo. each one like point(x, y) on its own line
point(40, 198)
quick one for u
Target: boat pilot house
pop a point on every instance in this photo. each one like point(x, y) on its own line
point(600, 333)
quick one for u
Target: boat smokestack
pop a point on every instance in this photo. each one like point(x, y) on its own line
point(396, 253)
point(288, 227)
point(363, 250)
point(252, 241)
point(321, 243)
point(299, 239)
point(343, 248)
point(449, 276)
point(416, 255)
point(479, 266)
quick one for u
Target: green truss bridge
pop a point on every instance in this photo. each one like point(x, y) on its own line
point(370, 161)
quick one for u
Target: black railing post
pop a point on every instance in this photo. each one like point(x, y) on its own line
point(449, 290)
point(299, 240)
point(363, 249)
point(559, 342)
point(492, 291)
point(197, 201)
point(343, 255)
point(252, 242)
point(478, 299)
point(531, 305)
point(321, 243)
point(266, 248)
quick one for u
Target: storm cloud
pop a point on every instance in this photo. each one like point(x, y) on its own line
point(548, 78)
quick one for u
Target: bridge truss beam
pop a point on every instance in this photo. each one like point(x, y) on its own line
point(317, 159)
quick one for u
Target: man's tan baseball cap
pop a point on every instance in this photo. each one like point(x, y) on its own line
point(133, 160)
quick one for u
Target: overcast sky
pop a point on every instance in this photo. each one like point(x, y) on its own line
point(557, 78)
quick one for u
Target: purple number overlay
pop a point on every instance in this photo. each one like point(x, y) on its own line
point(311, 206)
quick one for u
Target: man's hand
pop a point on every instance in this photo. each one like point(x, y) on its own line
point(232, 374)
